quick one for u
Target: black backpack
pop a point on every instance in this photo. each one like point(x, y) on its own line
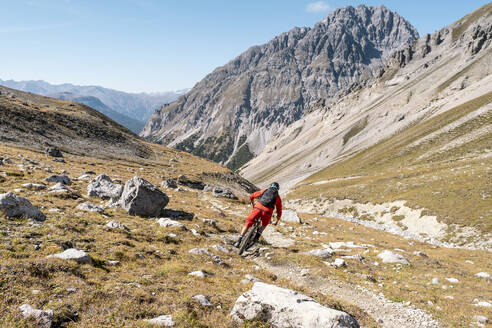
point(269, 197)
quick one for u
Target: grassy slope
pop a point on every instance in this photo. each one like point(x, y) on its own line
point(454, 185)
point(398, 283)
point(139, 288)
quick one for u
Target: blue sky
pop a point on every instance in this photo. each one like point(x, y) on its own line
point(160, 45)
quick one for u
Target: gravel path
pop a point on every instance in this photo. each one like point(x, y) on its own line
point(388, 314)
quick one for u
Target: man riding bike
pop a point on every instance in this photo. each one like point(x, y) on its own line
point(268, 200)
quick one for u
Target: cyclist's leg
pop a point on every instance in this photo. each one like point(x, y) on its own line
point(250, 220)
point(265, 220)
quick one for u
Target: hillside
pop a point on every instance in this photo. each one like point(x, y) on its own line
point(420, 134)
point(237, 109)
point(138, 106)
point(132, 124)
point(116, 269)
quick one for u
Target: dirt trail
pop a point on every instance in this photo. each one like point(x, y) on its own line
point(388, 314)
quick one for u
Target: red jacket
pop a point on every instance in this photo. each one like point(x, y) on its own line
point(258, 205)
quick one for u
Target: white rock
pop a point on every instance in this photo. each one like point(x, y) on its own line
point(194, 232)
point(167, 222)
point(73, 254)
point(199, 274)
point(34, 186)
point(252, 278)
point(483, 275)
point(449, 297)
point(203, 300)
point(16, 206)
point(484, 304)
point(282, 308)
point(323, 253)
point(389, 257)
point(420, 253)
point(89, 207)
point(435, 281)
point(481, 319)
point(453, 280)
point(344, 244)
point(210, 222)
point(290, 216)
point(113, 263)
point(220, 248)
point(163, 321)
point(113, 224)
point(58, 188)
point(338, 263)
point(43, 318)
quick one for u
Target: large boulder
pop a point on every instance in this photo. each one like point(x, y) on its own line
point(14, 206)
point(284, 308)
point(142, 198)
point(43, 318)
point(103, 187)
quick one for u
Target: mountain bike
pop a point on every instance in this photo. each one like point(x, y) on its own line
point(249, 238)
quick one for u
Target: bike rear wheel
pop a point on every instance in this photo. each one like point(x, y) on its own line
point(248, 239)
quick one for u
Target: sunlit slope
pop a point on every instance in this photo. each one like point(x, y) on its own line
point(442, 164)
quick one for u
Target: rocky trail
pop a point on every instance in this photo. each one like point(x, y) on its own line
point(386, 313)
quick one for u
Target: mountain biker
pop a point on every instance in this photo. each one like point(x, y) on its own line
point(268, 200)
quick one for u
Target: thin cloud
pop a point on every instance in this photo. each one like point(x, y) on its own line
point(317, 7)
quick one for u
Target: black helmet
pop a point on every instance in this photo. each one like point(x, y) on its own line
point(275, 185)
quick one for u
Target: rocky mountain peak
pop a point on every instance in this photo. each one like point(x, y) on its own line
point(234, 111)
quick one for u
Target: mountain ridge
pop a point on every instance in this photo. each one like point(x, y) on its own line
point(138, 106)
point(234, 111)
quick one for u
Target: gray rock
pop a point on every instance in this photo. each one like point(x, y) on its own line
point(113, 224)
point(323, 253)
point(220, 248)
point(167, 222)
point(90, 207)
point(203, 300)
point(162, 321)
point(282, 308)
point(19, 207)
point(58, 188)
point(142, 198)
point(43, 318)
point(169, 183)
point(53, 152)
point(34, 186)
point(103, 187)
point(73, 254)
point(203, 251)
point(389, 257)
point(290, 216)
point(338, 263)
point(226, 193)
point(63, 179)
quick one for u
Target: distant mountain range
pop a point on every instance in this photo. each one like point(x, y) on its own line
point(232, 113)
point(129, 109)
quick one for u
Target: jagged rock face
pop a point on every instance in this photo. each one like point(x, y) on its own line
point(233, 112)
